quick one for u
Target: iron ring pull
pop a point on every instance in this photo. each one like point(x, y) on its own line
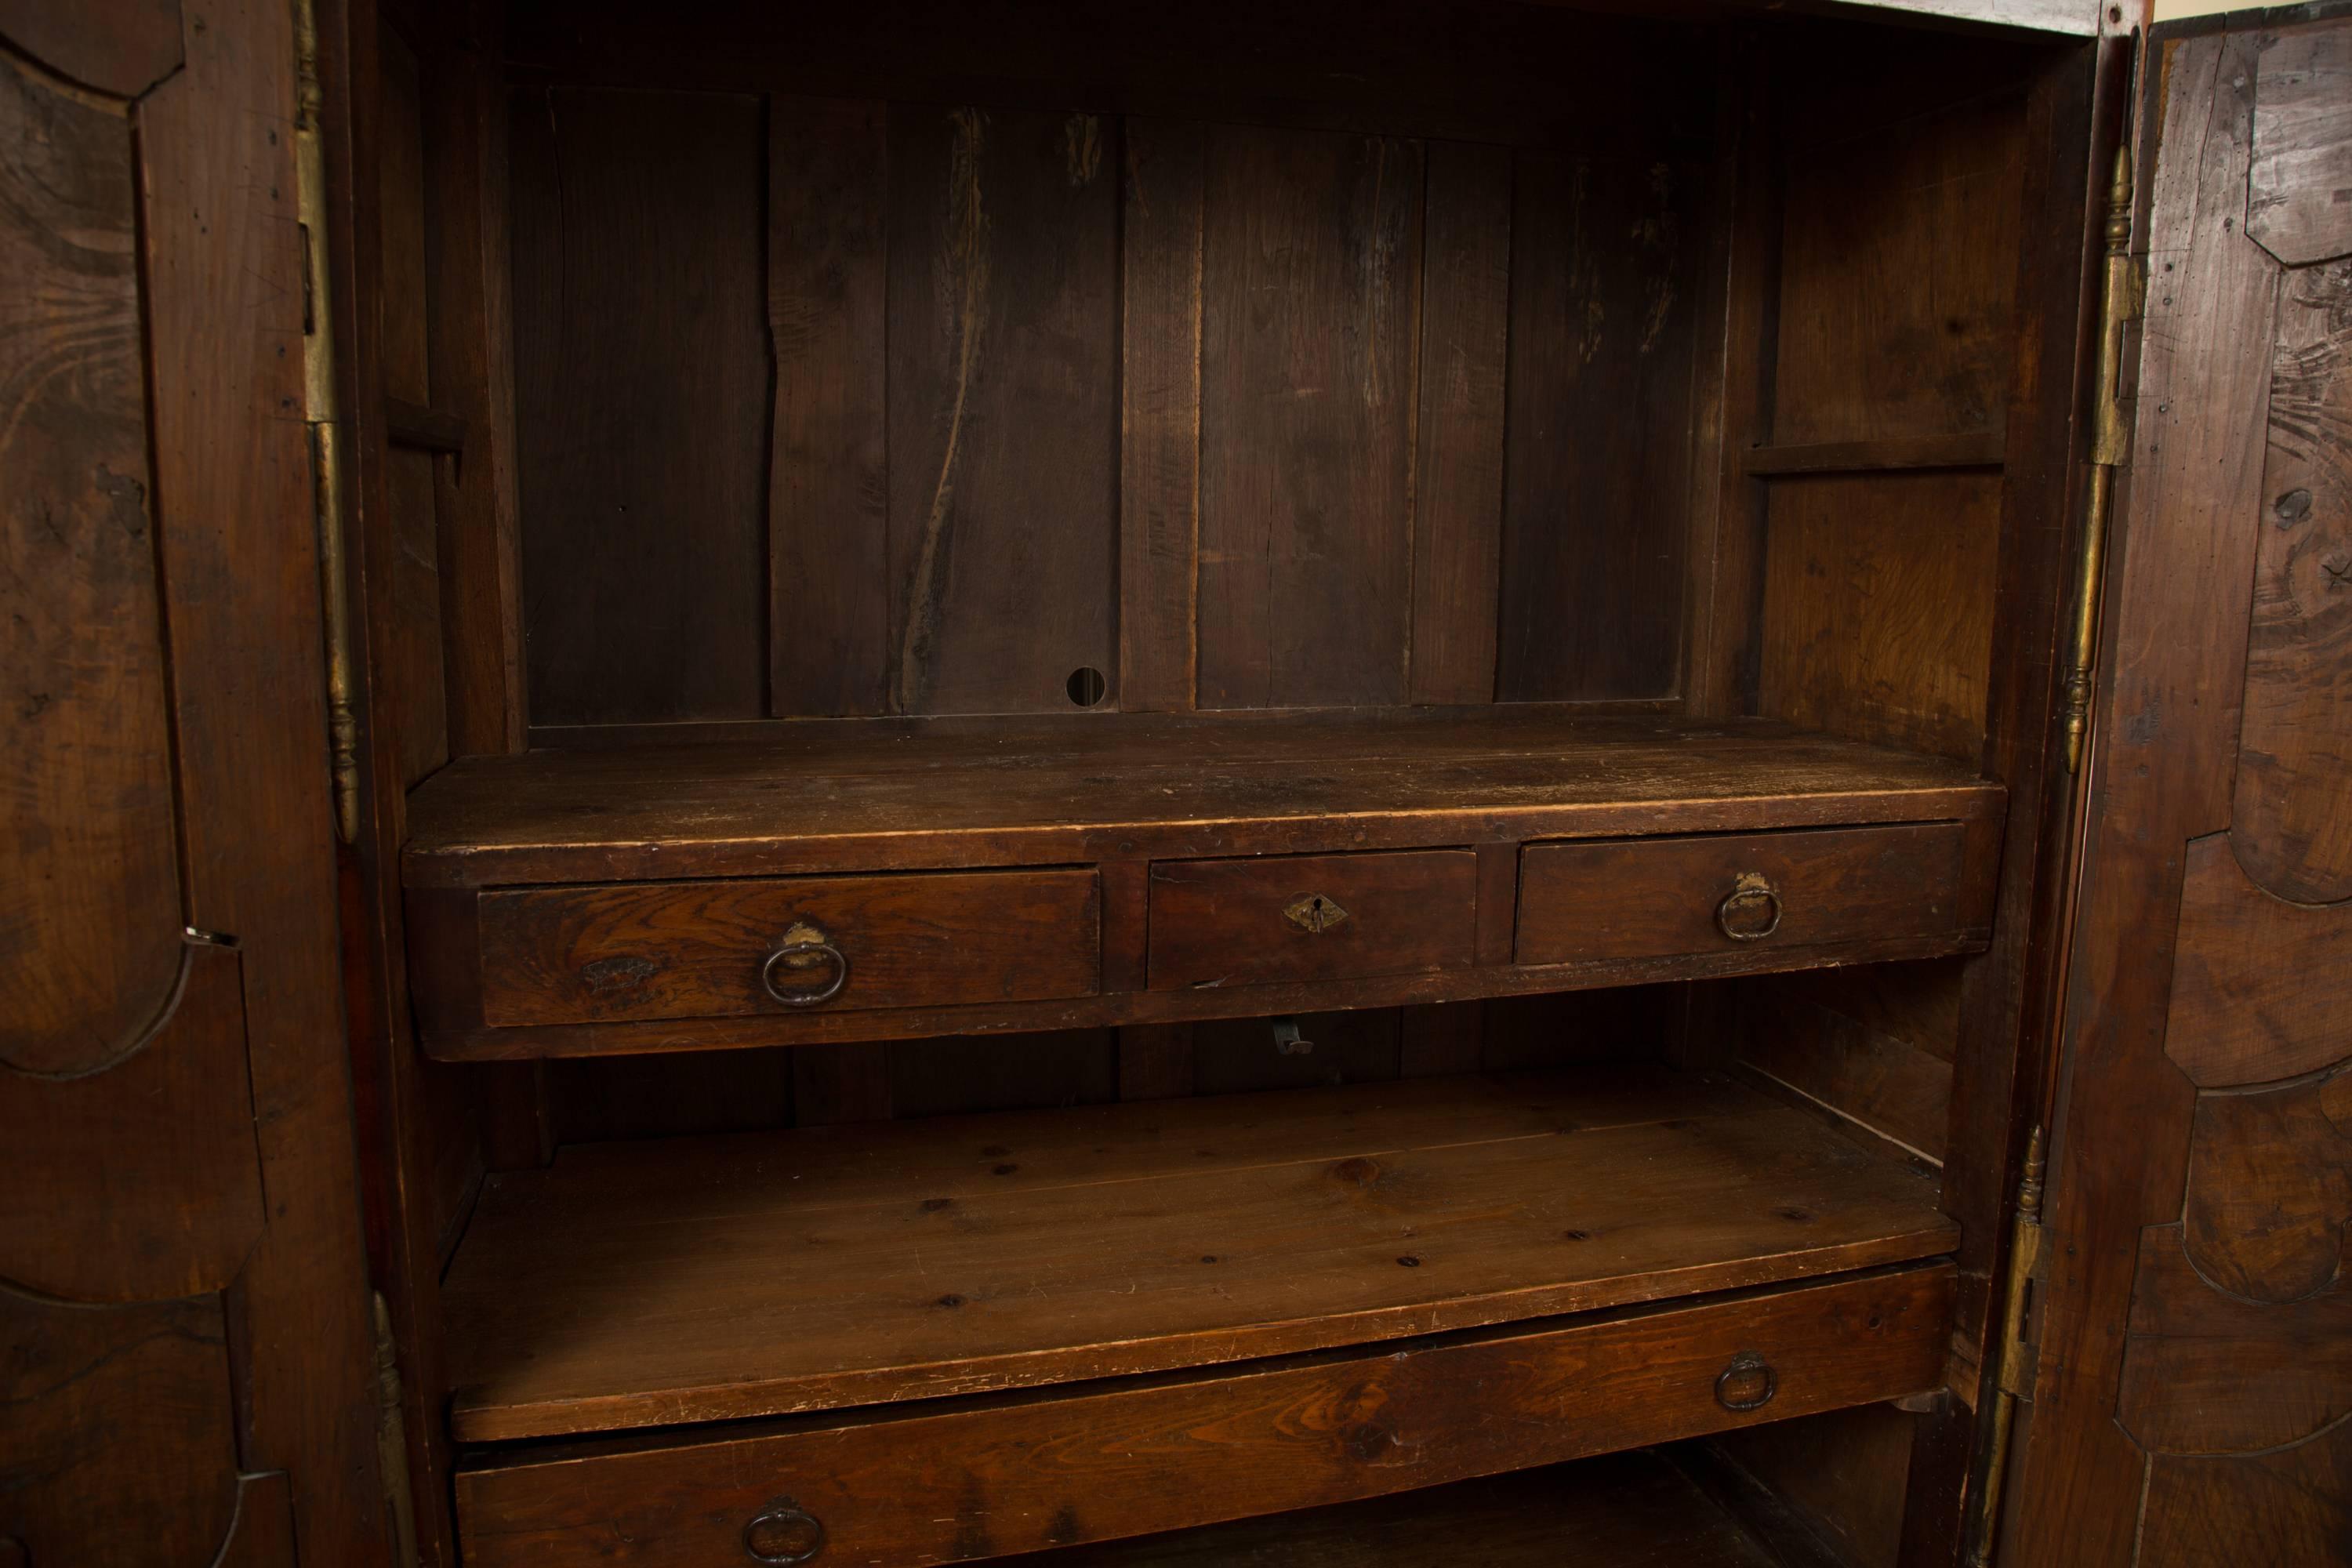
point(784, 1533)
point(1750, 896)
point(1748, 1383)
point(802, 945)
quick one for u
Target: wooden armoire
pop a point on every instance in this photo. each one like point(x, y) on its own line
point(1263, 782)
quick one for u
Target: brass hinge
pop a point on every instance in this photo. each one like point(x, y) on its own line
point(2017, 1357)
point(392, 1439)
point(322, 413)
point(2120, 301)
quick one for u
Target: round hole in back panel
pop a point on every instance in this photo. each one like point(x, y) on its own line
point(1086, 686)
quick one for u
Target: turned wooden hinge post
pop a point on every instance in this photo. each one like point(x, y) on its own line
point(2016, 1356)
point(323, 415)
point(2120, 299)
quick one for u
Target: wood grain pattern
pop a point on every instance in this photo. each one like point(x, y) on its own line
point(879, 795)
point(2295, 747)
point(1622, 1510)
point(917, 1261)
point(2299, 184)
point(2297, 1503)
point(1879, 1078)
point(1064, 1470)
point(1604, 256)
point(1155, 1061)
point(1160, 415)
point(641, 356)
point(559, 955)
point(1003, 292)
point(1310, 274)
point(1633, 896)
point(1457, 524)
point(829, 476)
point(122, 47)
point(1222, 922)
point(2232, 1021)
point(2269, 1188)
point(1969, 449)
point(90, 915)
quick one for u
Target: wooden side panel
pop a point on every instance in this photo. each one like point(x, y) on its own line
point(1878, 607)
point(829, 483)
point(1604, 283)
point(1311, 282)
point(1003, 411)
point(641, 349)
point(1856, 1041)
point(2299, 186)
point(89, 907)
point(1160, 415)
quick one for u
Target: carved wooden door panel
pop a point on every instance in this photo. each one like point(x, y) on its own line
point(184, 1352)
point(2194, 1398)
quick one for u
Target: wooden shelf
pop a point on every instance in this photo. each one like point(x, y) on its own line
point(1623, 1510)
point(843, 795)
point(700, 1279)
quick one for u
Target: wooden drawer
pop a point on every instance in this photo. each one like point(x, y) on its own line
point(687, 950)
point(1311, 917)
point(1752, 892)
point(976, 1479)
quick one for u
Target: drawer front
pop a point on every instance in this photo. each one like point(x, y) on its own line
point(699, 950)
point(1640, 898)
point(991, 1478)
point(1311, 917)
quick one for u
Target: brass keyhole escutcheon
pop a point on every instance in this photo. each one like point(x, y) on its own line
point(1313, 913)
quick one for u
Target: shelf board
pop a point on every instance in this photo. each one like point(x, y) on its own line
point(703, 1280)
point(1621, 1510)
point(836, 795)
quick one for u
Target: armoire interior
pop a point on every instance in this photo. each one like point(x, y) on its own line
point(1203, 783)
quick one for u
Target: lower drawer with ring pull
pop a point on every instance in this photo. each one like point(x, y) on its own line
point(1752, 892)
point(611, 952)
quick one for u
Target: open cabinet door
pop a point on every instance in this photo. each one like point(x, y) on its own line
point(186, 1360)
point(2195, 1376)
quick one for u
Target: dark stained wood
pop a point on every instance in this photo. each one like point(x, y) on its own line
point(2295, 1502)
point(641, 379)
point(1971, 449)
point(1160, 415)
point(667, 950)
point(1457, 525)
point(829, 472)
point(1878, 607)
point(1825, 1491)
point(857, 795)
point(1155, 1061)
point(840, 1083)
point(413, 424)
point(122, 47)
point(1498, 901)
point(2162, 762)
point(1245, 1054)
point(1604, 261)
point(1078, 1466)
point(2291, 833)
point(2232, 1021)
point(1003, 409)
point(1231, 922)
point(1879, 1078)
point(1311, 270)
point(1440, 1039)
point(90, 917)
point(2269, 1188)
point(637, 1097)
point(1631, 897)
point(957, 1075)
point(1621, 1510)
point(637, 1284)
point(2299, 181)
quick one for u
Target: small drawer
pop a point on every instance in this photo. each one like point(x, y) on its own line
point(962, 1479)
point(1311, 917)
point(1758, 892)
point(724, 949)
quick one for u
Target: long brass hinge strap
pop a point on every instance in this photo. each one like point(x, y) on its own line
point(2120, 299)
point(323, 412)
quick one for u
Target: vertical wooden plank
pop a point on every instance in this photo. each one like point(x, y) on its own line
point(834, 1084)
point(1155, 1061)
point(965, 1074)
point(1160, 415)
point(1446, 1037)
point(828, 480)
point(1003, 411)
point(1457, 542)
point(641, 396)
point(1310, 280)
point(1596, 517)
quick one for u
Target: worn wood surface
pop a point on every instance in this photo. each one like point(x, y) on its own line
point(555, 955)
point(1634, 897)
point(122, 47)
point(2233, 1022)
point(1217, 922)
point(860, 796)
point(2299, 182)
point(637, 1285)
point(1160, 414)
point(1077, 1466)
point(642, 372)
